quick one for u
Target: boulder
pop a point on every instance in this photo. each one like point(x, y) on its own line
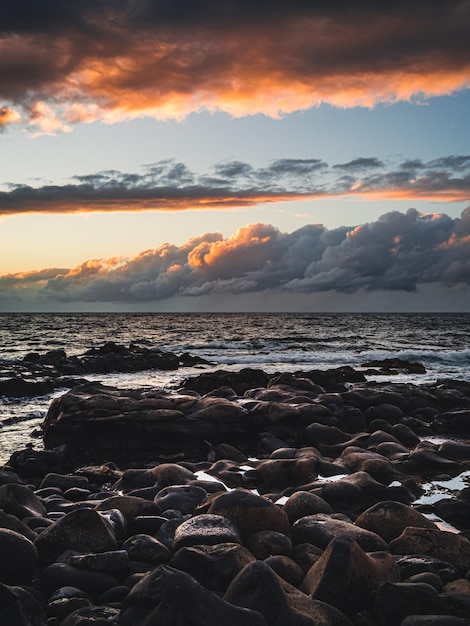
point(259, 588)
point(320, 529)
point(18, 607)
point(83, 530)
point(388, 519)
point(449, 547)
point(166, 596)
point(250, 513)
point(302, 503)
point(206, 529)
point(146, 548)
point(345, 575)
point(396, 601)
point(18, 558)
point(21, 501)
point(214, 566)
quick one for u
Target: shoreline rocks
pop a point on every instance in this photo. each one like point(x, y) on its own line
point(285, 503)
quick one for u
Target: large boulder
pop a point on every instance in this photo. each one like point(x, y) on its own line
point(83, 530)
point(166, 596)
point(18, 558)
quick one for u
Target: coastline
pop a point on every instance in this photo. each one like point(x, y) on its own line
point(339, 471)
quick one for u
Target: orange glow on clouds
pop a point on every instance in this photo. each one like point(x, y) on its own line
point(295, 57)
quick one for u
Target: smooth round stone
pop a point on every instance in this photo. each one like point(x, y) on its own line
point(93, 583)
point(286, 568)
point(77, 494)
point(18, 558)
point(147, 549)
point(62, 607)
point(183, 498)
point(302, 503)
point(250, 513)
point(267, 543)
point(206, 529)
point(115, 594)
point(11, 522)
point(64, 482)
point(21, 501)
point(146, 524)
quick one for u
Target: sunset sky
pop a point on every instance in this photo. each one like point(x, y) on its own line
point(192, 155)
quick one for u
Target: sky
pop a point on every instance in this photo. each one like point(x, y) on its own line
point(235, 155)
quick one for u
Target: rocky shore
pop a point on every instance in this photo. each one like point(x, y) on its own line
point(242, 498)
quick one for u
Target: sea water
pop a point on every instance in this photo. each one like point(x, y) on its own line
point(272, 342)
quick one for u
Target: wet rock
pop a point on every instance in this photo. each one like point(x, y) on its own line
point(345, 575)
point(21, 388)
point(396, 366)
point(167, 596)
point(83, 530)
point(96, 615)
point(206, 529)
point(320, 529)
point(239, 381)
point(302, 503)
point(443, 545)
point(21, 501)
point(64, 482)
point(258, 587)
point(146, 548)
point(425, 459)
point(112, 562)
point(267, 543)
point(93, 583)
point(277, 474)
point(396, 601)
point(388, 519)
point(429, 578)
point(413, 564)
point(454, 511)
point(130, 506)
point(250, 513)
point(214, 566)
point(11, 522)
point(19, 558)
point(18, 607)
point(184, 498)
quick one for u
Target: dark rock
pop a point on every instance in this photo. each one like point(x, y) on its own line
point(453, 511)
point(320, 529)
point(257, 587)
point(116, 561)
point(130, 506)
point(205, 529)
point(266, 543)
point(213, 566)
point(20, 388)
point(146, 548)
point(166, 596)
point(64, 482)
point(60, 608)
point(396, 601)
point(29, 463)
point(450, 547)
point(18, 607)
point(239, 381)
point(302, 503)
point(250, 513)
point(58, 575)
point(429, 578)
point(396, 366)
point(21, 501)
point(345, 575)
point(286, 568)
point(11, 522)
point(413, 564)
point(434, 620)
point(388, 519)
point(19, 558)
point(83, 530)
point(96, 615)
point(184, 498)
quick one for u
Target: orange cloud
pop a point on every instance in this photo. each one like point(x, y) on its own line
point(114, 61)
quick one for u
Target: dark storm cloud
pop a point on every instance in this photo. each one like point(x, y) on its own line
point(171, 185)
point(398, 252)
point(63, 61)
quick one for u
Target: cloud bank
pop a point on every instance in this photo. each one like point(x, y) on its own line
point(169, 185)
point(63, 61)
point(398, 252)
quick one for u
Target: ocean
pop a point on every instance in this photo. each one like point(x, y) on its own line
point(273, 342)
